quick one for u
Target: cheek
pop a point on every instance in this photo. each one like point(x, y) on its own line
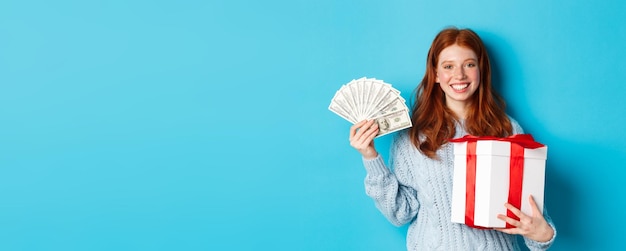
point(475, 74)
point(442, 78)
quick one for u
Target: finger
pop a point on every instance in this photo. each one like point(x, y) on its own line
point(371, 134)
point(357, 130)
point(513, 209)
point(364, 128)
point(370, 139)
point(369, 123)
point(366, 137)
point(534, 206)
point(511, 221)
point(353, 128)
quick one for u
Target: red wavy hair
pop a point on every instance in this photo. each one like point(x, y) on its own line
point(433, 122)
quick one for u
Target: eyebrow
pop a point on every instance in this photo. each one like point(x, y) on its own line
point(469, 59)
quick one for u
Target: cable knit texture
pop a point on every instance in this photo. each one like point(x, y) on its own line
point(419, 191)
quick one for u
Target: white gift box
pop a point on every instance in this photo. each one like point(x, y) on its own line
point(492, 178)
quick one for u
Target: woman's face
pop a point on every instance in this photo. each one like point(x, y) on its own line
point(458, 74)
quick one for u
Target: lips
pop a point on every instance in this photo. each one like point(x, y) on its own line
point(460, 87)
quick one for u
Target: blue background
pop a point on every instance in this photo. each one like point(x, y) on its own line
point(195, 125)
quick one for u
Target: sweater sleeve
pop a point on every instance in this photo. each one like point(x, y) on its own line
point(395, 200)
point(517, 129)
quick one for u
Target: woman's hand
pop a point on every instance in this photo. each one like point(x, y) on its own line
point(533, 227)
point(362, 136)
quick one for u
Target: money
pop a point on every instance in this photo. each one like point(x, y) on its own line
point(372, 99)
point(393, 122)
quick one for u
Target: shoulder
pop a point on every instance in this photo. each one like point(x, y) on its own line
point(401, 140)
point(517, 128)
point(402, 150)
point(402, 136)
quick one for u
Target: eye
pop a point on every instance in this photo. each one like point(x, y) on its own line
point(447, 66)
point(470, 65)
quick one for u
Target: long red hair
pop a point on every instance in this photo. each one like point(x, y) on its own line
point(433, 122)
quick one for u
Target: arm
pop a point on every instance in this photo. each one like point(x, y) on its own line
point(396, 201)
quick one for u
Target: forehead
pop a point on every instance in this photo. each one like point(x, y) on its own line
point(457, 53)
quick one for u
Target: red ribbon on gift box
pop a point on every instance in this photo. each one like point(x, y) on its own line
point(518, 143)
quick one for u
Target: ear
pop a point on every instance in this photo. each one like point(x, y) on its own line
point(437, 79)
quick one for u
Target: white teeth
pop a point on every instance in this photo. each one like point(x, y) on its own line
point(460, 87)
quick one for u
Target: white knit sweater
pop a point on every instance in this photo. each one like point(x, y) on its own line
point(419, 191)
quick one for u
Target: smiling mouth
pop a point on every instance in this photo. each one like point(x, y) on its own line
point(460, 87)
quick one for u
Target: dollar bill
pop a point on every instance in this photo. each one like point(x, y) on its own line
point(397, 104)
point(370, 98)
point(393, 122)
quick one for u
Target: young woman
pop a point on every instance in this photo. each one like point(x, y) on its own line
point(455, 98)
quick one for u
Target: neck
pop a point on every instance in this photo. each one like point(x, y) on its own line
point(458, 108)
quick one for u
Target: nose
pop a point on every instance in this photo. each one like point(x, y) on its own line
point(459, 73)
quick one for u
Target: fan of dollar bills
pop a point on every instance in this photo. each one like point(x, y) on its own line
point(370, 98)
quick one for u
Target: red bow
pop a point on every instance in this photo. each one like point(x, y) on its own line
point(524, 140)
